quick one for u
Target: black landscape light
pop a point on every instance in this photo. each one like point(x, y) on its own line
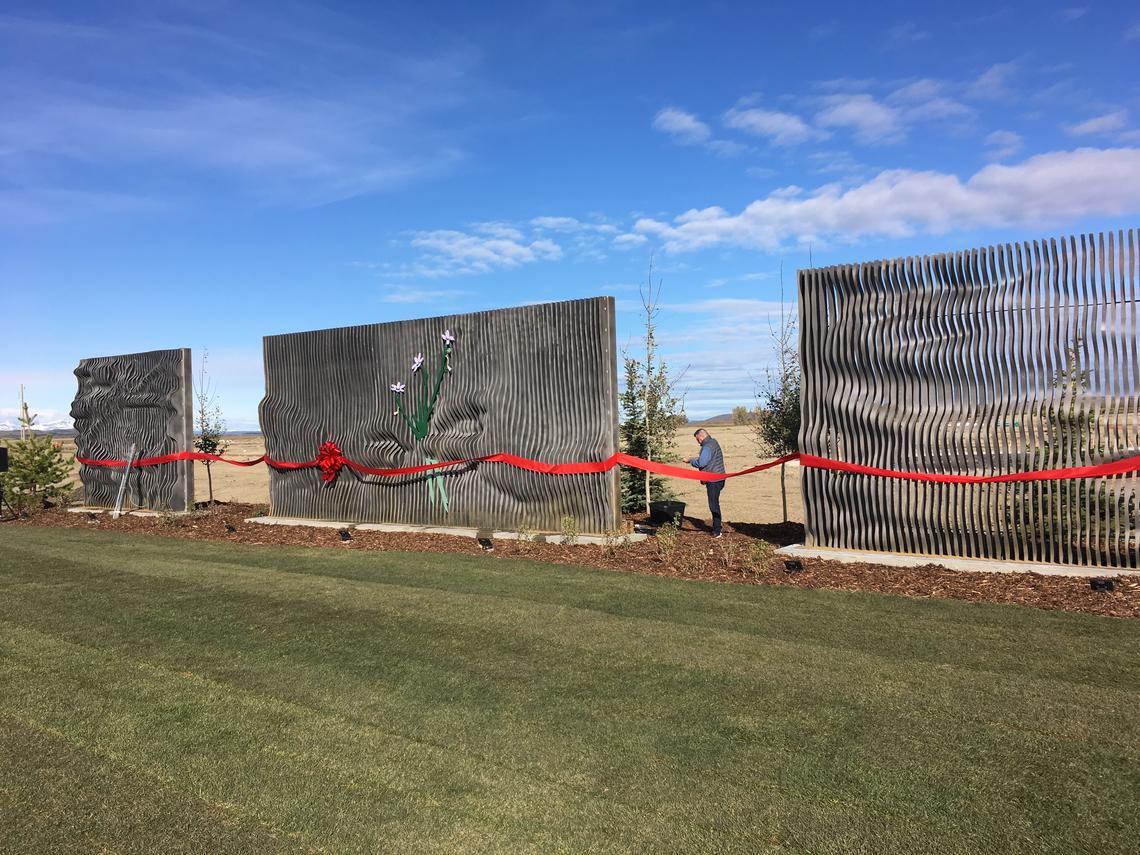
point(344, 535)
point(793, 565)
point(483, 536)
point(230, 529)
point(1102, 585)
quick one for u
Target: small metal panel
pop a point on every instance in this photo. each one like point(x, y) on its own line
point(537, 381)
point(140, 399)
point(1002, 359)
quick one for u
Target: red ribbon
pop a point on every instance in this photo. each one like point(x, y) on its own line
point(330, 459)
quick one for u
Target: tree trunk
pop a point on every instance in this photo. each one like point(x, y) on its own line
point(210, 482)
point(784, 491)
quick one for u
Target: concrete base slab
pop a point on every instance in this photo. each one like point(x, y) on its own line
point(967, 565)
point(452, 531)
point(83, 510)
point(300, 521)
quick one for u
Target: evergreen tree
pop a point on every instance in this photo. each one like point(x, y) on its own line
point(39, 471)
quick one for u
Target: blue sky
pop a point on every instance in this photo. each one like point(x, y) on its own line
point(200, 174)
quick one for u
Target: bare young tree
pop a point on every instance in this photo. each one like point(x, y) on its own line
point(210, 428)
point(777, 428)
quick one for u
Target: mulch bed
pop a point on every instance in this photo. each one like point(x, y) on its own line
point(743, 556)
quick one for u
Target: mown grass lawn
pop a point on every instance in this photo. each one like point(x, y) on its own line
point(159, 695)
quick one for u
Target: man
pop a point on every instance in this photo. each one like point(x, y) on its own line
point(710, 460)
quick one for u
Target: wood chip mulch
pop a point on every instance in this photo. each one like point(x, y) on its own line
point(742, 556)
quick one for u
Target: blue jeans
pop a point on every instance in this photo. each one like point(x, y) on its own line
point(714, 488)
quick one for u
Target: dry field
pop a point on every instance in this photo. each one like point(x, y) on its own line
point(750, 499)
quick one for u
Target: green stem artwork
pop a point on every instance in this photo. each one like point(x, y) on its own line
point(419, 419)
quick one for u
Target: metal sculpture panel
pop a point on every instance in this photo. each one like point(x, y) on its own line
point(1010, 358)
point(139, 400)
point(536, 381)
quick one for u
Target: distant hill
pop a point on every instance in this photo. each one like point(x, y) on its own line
point(722, 419)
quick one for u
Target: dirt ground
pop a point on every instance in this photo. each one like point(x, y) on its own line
point(749, 499)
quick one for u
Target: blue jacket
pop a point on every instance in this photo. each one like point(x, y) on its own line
point(711, 458)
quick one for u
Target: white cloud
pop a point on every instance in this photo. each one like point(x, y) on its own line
point(504, 231)
point(1072, 13)
point(870, 120)
point(994, 84)
point(779, 128)
point(571, 225)
point(1132, 33)
point(684, 127)
point(629, 240)
point(493, 246)
point(411, 295)
point(1002, 145)
point(687, 129)
point(1105, 124)
point(1044, 189)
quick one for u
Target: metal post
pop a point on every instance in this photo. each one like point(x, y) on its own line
point(115, 514)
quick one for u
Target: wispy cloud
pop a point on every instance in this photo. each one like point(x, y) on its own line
point(572, 225)
point(928, 100)
point(995, 83)
point(1044, 189)
point(906, 33)
point(232, 120)
point(824, 30)
point(629, 240)
point(41, 206)
point(783, 129)
point(870, 120)
point(685, 128)
point(1072, 13)
point(1002, 145)
point(1104, 124)
point(411, 295)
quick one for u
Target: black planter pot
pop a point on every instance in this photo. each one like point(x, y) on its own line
point(663, 512)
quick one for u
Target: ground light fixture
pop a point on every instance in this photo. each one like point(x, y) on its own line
point(1102, 585)
point(344, 535)
point(793, 565)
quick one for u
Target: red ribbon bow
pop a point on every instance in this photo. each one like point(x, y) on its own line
point(330, 459)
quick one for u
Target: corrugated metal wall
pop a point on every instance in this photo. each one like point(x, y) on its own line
point(140, 398)
point(537, 381)
point(1008, 358)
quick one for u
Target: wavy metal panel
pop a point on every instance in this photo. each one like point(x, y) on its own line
point(145, 399)
point(1001, 359)
point(537, 381)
